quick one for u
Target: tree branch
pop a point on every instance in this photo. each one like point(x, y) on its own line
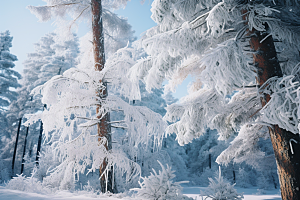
point(64, 4)
point(78, 17)
point(122, 127)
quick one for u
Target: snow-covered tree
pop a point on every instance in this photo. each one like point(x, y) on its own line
point(93, 12)
point(9, 77)
point(229, 47)
point(51, 57)
point(221, 189)
point(78, 91)
point(160, 186)
point(72, 129)
point(8, 84)
point(117, 32)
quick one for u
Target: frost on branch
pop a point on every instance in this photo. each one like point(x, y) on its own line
point(206, 108)
point(160, 186)
point(27, 184)
point(244, 148)
point(227, 67)
point(69, 125)
point(283, 108)
point(116, 72)
point(60, 10)
point(75, 8)
point(242, 106)
point(195, 114)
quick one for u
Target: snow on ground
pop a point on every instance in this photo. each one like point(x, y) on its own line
point(249, 194)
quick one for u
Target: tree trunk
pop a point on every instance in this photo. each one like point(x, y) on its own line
point(104, 128)
point(24, 150)
point(209, 161)
point(39, 145)
point(16, 145)
point(287, 159)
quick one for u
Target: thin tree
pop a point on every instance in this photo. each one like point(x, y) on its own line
point(104, 128)
point(8, 80)
point(38, 150)
point(24, 150)
point(16, 146)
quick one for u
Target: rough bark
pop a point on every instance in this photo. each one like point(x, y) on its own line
point(16, 145)
point(104, 128)
point(287, 159)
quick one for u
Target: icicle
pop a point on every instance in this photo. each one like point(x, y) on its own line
point(292, 140)
point(265, 38)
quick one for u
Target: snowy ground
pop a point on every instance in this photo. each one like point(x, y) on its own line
point(249, 194)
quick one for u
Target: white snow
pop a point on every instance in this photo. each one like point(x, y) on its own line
point(249, 194)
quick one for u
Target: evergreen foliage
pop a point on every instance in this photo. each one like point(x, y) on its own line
point(210, 40)
point(73, 124)
point(160, 186)
point(8, 84)
point(52, 57)
point(9, 77)
point(221, 189)
point(203, 38)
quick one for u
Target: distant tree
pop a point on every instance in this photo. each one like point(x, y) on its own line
point(169, 98)
point(8, 83)
point(9, 77)
point(51, 57)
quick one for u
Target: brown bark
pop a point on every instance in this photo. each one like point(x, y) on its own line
point(287, 159)
point(104, 128)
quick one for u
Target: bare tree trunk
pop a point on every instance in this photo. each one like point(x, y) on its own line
point(39, 145)
point(209, 161)
point(104, 128)
point(24, 150)
point(287, 159)
point(38, 150)
point(16, 145)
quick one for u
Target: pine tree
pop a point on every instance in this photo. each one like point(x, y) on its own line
point(221, 189)
point(9, 77)
point(8, 80)
point(78, 128)
point(228, 46)
point(104, 126)
point(51, 57)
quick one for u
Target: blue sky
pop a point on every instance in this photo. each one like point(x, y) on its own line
point(26, 30)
